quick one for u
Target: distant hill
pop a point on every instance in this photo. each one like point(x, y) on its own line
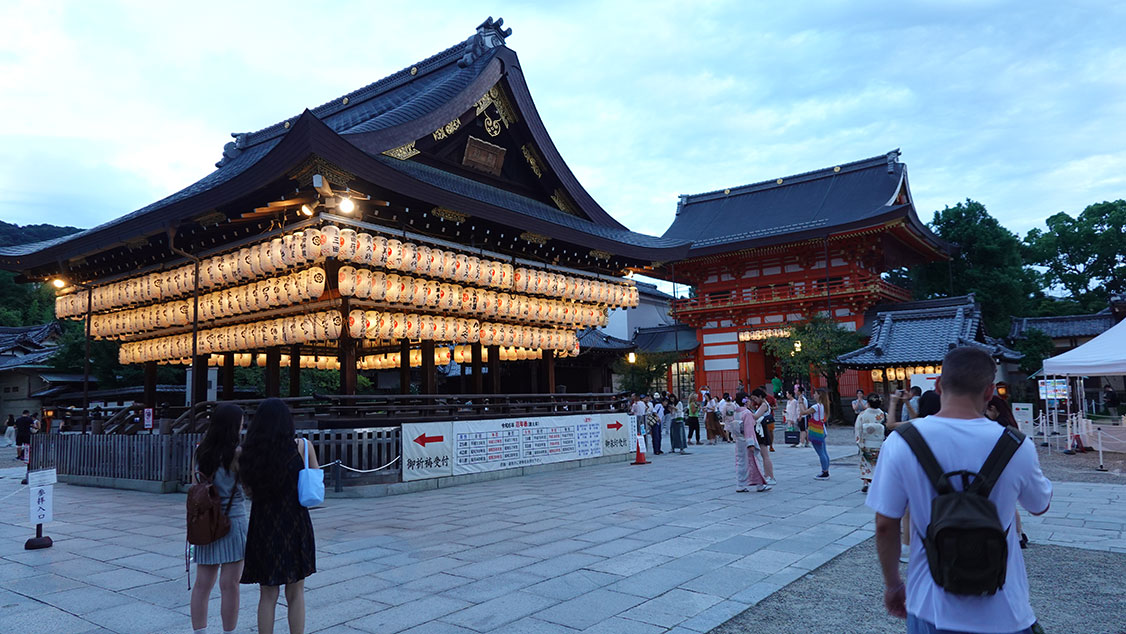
point(27, 304)
point(11, 234)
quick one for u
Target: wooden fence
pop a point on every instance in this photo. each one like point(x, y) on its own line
point(168, 458)
point(148, 457)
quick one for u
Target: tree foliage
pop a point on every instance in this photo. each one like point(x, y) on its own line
point(646, 372)
point(26, 304)
point(1086, 255)
point(988, 263)
point(814, 346)
point(1036, 346)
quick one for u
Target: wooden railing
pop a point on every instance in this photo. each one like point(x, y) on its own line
point(382, 410)
point(150, 457)
point(812, 290)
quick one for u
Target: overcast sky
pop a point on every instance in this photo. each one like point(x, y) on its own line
point(107, 106)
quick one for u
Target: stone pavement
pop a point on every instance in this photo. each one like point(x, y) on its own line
point(610, 548)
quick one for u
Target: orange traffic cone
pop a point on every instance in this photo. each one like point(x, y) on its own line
point(640, 459)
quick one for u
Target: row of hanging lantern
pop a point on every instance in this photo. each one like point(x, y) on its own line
point(465, 300)
point(442, 357)
point(379, 325)
point(297, 329)
point(239, 300)
point(311, 245)
point(904, 372)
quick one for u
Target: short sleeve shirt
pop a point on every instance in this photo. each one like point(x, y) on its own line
point(899, 483)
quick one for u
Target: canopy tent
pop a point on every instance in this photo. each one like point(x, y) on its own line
point(1102, 356)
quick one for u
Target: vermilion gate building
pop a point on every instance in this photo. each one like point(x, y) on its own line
point(759, 253)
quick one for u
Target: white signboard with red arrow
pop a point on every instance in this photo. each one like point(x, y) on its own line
point(427, 450)
point(617, 434)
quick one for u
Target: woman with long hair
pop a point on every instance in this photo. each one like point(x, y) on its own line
point(742, 430)
point(280, 548)
point(818, 428)
point(998, 411)
point(217, 459)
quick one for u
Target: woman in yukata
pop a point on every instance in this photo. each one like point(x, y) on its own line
point(742, 430)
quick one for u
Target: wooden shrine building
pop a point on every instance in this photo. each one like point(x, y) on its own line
point(768, 255)
point(424, 218)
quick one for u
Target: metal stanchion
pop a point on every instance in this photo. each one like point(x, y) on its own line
point(1100, 434)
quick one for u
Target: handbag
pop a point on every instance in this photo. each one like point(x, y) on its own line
point(310, 483)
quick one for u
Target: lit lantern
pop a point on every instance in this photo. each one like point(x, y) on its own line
point(408, 257)
point(378, 257)
point(291, 294)
point(459, 355)
point(431, 292)
point(385, 326)
point(371, 324)
point(900, 374)
point(505, 355)
point(277, 262)
point(322, 363)
point(473, 331)
point(349, 242)
point(484, 355)
point(509, 333)
point(291, 252)
point(363, 248)
point(378, 289)
point(504, 305)
point(423, 258)
point(416, 358)
point(438, 263)
point(318, 323)
point(335, 323)
point(330, 245)
point(877, 375)
point(316, 282)
point(489, 303)
point(356, 324)
point(460, 267)
point(890, 374)
point(938, 369)
point(413, 329)
point(472, 269)
point(346, 281)
point(468, 299)
point(442, 356)
point(314, 241)
point(398, 325)
point(394, 251)
point(363, 283)
point(506, 273)
point(929, 369)
point(425, 326)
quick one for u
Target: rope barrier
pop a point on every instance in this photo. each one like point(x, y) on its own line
point(353, 470)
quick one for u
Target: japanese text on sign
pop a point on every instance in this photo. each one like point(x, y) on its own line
point(42, 502)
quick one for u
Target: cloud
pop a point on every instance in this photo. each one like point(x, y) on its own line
point(109, 106)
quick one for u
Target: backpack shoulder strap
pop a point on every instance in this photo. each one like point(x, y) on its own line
point(998, 459)
point(925, 456)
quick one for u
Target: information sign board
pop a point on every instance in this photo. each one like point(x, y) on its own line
point(42, 502)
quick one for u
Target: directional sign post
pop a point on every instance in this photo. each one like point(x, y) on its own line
point(41, 507)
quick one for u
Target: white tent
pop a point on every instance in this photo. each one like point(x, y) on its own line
point(1104, 355)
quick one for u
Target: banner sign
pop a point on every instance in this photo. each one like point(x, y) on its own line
point(434, 450)
point(1053, 389)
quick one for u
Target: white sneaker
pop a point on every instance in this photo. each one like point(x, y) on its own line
point(743, 490)
point(904, 556)
point(764, 487)
point(771, 481)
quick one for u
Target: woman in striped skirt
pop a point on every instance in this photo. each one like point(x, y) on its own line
point(217, 459)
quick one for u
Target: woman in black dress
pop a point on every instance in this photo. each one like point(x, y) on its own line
point(280, 549)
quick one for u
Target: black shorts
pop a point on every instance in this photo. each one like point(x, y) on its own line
point(767, 437)
point(803, 424)
point(23, 439)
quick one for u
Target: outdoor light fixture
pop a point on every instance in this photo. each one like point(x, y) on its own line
point(632, 357)
point(347, 206)
point(797, 346)
point(307, 210)
point(58, 282)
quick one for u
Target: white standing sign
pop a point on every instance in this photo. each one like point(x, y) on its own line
point(427, 450)
point(617, 434)
point(490, 445)
point(148, 418)
point(43, 477)
point(923, 381)
point(1022, 412)
point(41, 511)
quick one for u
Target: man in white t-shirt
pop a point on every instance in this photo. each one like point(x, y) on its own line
point(960, 438)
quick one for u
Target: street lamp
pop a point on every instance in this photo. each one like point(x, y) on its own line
point(631, 357)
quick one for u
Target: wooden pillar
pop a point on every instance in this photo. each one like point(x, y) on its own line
point(150, 384)
point(547, 362)
point(494, 369)
point(228, 373)
point(429, 374)
point(404, 366)
point(295, 371)
point(346, 352)
point(478, 383)
point(273, 371)
point(199, 379)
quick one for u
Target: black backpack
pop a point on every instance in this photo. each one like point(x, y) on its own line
point(965, 542)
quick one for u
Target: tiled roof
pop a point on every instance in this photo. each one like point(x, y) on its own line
point(37, 359)
point(595, 339)
point(657, 339)
point(813, 201)
point(924, 334)
point(1064, 327)
point(520, 204)
point(28, 336)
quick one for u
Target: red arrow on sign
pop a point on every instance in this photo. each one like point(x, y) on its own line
point(423, 439)
point(614, 425)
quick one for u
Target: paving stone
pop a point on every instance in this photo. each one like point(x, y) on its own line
point(493, 587)
point(491, 614)
point(139, 618)
point(585, 610)
point(407, 615)
point(573, 584)
point(671, 608)
point(743, 545)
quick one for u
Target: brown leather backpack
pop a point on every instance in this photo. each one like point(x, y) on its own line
point(207, 520)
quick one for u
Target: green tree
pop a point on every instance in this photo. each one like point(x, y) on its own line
point(813, 347)
point(1084, 255)
point(988, 263)
point(1036, 346)
point(645, 372)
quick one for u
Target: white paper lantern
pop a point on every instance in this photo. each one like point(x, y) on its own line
point(472, 269)
point(349, 242)
point(398, 325)
point(394, 288)
point(330, 241)
point(378, 251)
point(426, 327)
point(316, 286)
point(371, 324)
point(363, 283)
point(291, 253)
point(356, 324)
point(378, 289)
point(394, 251)
point(334, 325)
point(277, 257)
point(409, 257)
point(346, 281)
point(364, 246)
point(422, 259)
point(385, 328)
